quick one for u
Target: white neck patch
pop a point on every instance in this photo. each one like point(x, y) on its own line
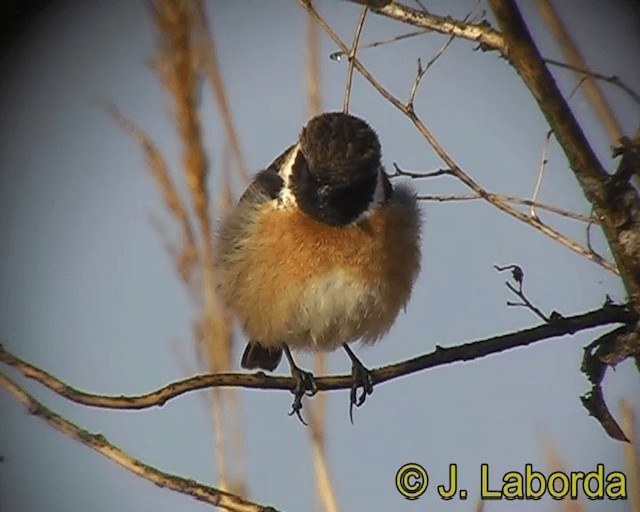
point(378, 198)
point(286, 199)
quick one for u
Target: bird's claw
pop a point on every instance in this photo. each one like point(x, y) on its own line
point(361, 379)
point(305, 386)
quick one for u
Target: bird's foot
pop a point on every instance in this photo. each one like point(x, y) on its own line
point(305, 386)
point(361, 380)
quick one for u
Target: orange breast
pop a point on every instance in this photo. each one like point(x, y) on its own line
point(268, 284)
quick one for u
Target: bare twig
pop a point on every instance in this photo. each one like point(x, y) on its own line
point(422, 71)
point(339, 54)
point(612, 79)
point(352, 53)
point(417, 175)
point(541, 169)
point(441, 198)
point(100, 444)
point(518, 277)
point(588, 232)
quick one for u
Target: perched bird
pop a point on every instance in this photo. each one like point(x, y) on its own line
point(320, 251)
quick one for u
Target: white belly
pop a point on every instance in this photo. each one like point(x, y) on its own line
point(334, 309)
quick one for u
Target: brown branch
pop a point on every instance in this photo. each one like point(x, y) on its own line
point(100, 444)
point(608, 314)
point(615, 201)
point(481, 33)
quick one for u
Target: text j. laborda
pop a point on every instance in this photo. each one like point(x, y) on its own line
point(412, 481)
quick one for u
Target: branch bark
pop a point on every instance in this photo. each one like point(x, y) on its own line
point(481, 33)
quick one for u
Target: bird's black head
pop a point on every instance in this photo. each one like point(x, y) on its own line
point(335, 172)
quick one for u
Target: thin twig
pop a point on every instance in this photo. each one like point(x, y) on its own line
point(352, 53)
point(337, 56)
point(422, 71)
point(588, 231)
point(442, 198)
point(418, 175)
point(526, 303)
point(541, 169)
point(612, 79)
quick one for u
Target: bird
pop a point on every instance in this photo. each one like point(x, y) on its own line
point(320, 251)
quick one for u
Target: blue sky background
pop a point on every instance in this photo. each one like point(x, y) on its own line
point(89, 294)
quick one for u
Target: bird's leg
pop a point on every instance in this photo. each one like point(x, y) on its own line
point(361, 379)
point(305, 385)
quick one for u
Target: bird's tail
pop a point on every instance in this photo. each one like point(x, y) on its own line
point(257, 356)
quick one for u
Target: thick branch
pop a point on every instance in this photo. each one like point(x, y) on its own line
point(481, 33)
point(100, 444)
point(615, 201)
point(608, 314)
